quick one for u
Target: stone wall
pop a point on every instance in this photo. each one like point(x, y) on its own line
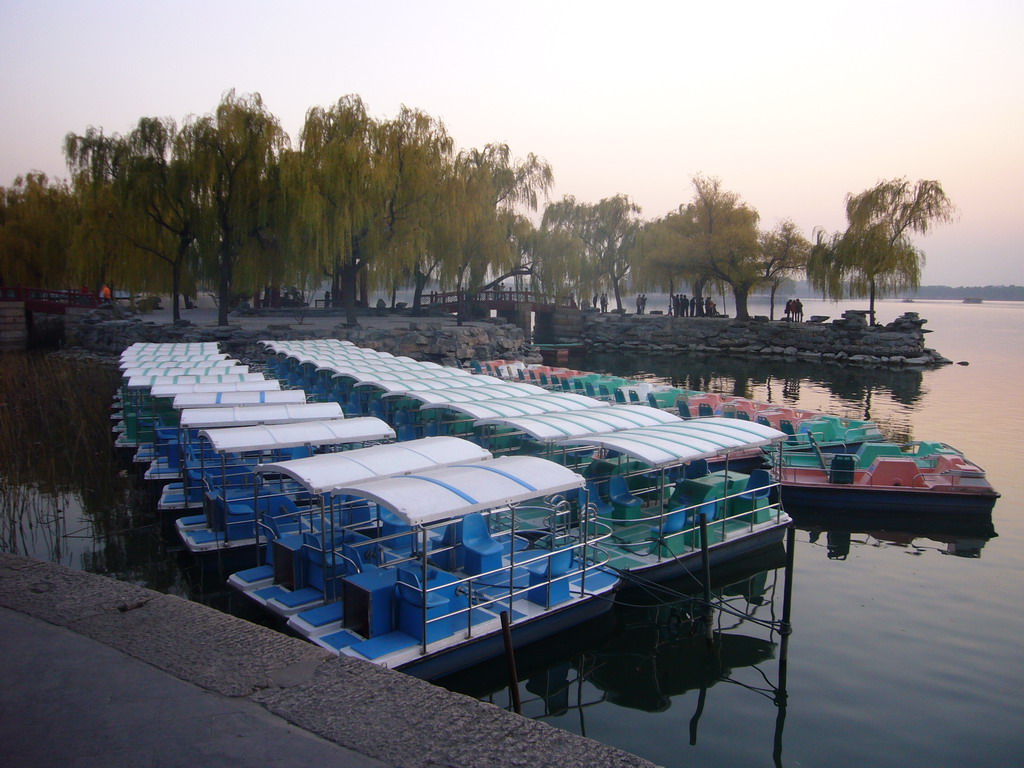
point(848, 340)
point(423, 340)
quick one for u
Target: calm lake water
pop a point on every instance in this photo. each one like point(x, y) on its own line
point(907, 643)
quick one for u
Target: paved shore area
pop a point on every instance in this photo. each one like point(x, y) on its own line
point(105, 673)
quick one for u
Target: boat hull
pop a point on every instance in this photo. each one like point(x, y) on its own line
point(903, 500)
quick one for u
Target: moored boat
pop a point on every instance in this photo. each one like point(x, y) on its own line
point(921, 477)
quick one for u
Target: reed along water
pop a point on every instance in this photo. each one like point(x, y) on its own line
point(906, 639)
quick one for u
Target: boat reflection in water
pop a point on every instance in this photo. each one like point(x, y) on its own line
point(652, 650)
point(950, 534)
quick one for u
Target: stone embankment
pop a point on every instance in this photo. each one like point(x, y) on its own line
point(420, 339)
point(846, 341)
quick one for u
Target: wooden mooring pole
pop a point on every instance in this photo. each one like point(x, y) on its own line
point(510, 661)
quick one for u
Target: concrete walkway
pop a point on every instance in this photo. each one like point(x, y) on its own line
point(100, 672)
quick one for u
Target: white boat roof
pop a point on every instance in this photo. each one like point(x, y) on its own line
point(145, 382)
point(370, 377)
point(558, 402)
point(455, 491)
point(672, 444)
point(285, 346)
point(243, 415)
point(144, 358)
point(355, 365)
point(549, 427)
point(265, 437)
point(442, 391)
point(329, 471)
point(170, 390)
point(186, 369)
point(170, 348)
point(215, 399)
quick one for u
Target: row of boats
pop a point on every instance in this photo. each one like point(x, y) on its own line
point(400, 511)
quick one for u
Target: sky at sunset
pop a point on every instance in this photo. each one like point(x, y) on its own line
point(792, 105)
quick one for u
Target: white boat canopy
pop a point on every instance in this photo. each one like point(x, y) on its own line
point(369, 377)
point(170, 348)
point(170, 390)
point(479, 388)
point(287, 346)
point(455, 491)
point(145, 382)
point(673, 444)
point(266, 437)
point(187, 369)
point(162, 359)
point(353, 365)
point(244, 415)
point(516, 406)
point(329, 471)
point(215, 399)
point(549, 427)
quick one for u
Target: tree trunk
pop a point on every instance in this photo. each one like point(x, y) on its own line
point(618, 295)
point(349, 275)
point(871, 301)
point(771, 302)
point(175, 291)
point(698, 292)
point(741, 295)
point(224, 286)
point(420, 282)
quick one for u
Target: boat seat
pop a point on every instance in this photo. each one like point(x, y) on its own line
point(625, 505)
point(412, 602)
point(705, 409)
point(842, 469)
point(544, 591)
point(755, 494)
point(483, 553)
point(684, 409)
point(868, 453)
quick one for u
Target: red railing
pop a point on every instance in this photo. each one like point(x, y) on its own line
point(50, 301)
point(498, 299)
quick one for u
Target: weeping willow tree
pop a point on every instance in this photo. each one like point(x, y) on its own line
point(875, 256)
point(784, 252)
point(486, 239)
point(724, 234)
point(235, 157)
point(608, 231)
point(158, 184)
point(36, 220)
point(364, 189)
point(100, 246)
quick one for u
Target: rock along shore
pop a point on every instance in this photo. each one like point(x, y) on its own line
point(848, 340)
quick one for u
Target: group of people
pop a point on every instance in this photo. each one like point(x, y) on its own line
point(693, 307)
point(641, 303)
point(795, 310)
point(603, 302)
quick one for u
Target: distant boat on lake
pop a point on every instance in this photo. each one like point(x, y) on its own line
point(972, 300)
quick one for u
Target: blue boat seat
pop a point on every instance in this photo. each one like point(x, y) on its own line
point(413, 602)
point(684, 409)
point(544, 591)
point(705, 409)
point(756, 492)
point(624, 504)
point(696, 469)
point(604, 508)
point(483, 553)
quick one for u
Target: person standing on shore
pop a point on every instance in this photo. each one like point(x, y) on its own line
point(684, 306)
point(604, 302)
